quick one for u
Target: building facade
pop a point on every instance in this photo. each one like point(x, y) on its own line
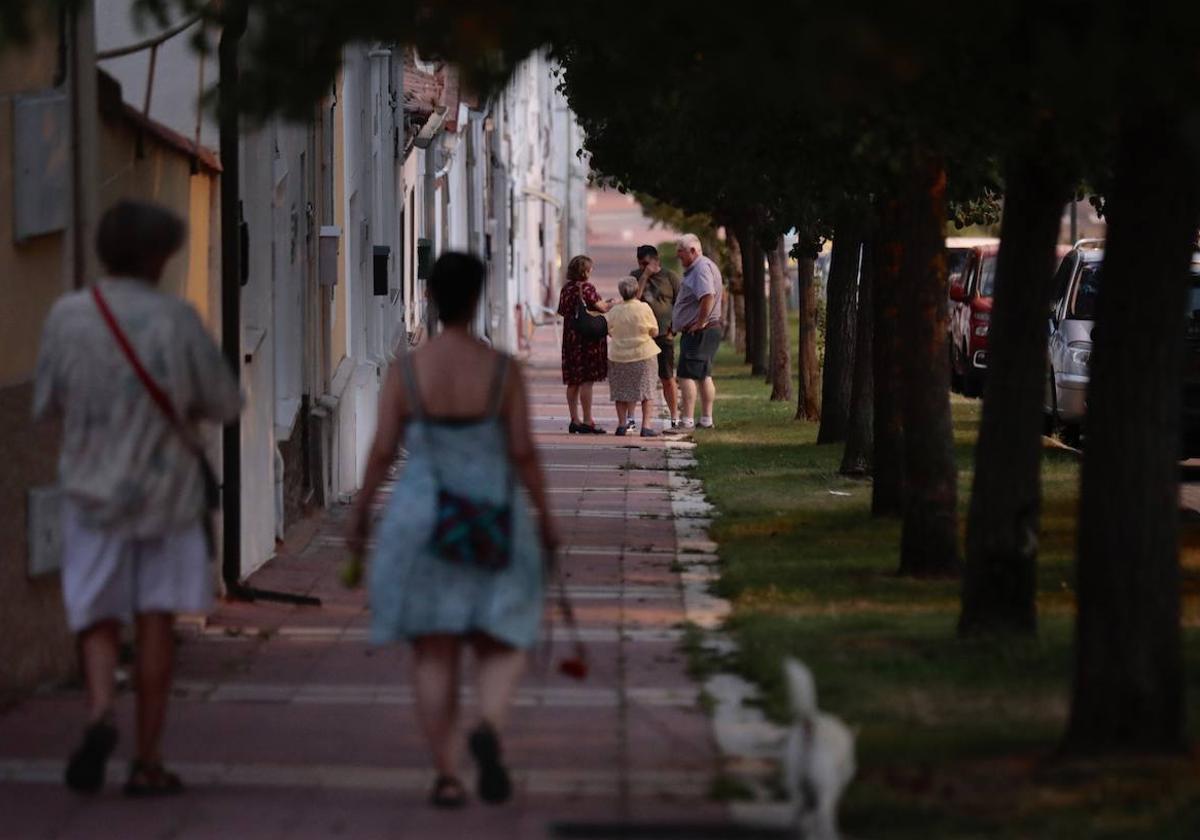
point(342, 217)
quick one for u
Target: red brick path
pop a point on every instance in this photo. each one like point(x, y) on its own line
point(287, 724)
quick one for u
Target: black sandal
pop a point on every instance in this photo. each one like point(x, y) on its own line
point(495, 786)
point(85, 770)
point(147, 780)
point(448, 792)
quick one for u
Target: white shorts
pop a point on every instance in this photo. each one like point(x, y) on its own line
point(107, 576)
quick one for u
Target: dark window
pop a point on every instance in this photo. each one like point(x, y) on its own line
point(987, 277)
point(1063, 278)
point(1087, 292)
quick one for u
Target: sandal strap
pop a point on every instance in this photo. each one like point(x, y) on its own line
point(153, 776)
point(448, 791)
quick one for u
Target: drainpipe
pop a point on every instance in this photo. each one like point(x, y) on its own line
point(234, 27)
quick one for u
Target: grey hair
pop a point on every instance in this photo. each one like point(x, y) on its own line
point(628, 288)
point(691, 242)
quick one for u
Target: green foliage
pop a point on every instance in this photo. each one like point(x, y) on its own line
point(753, 117)
point(701, 224)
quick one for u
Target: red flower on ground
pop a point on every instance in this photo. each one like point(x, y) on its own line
point(575, 667)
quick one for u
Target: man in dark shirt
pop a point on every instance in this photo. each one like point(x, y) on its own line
point(658, 287)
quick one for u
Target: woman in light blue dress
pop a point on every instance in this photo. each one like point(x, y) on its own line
point(461, 411)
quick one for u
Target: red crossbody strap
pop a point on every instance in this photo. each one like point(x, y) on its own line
point(160, 399)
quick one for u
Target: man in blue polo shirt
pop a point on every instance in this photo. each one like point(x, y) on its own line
point(697, 319)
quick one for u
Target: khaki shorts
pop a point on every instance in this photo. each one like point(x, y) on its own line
point(666, 359)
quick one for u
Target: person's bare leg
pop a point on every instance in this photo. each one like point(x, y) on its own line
point(155, 664)
point(585, 399)
point(687, 399)
point(622, 413)
point(671, 397)
point(647, 414)
point(99, 647)
point(435, 683)
point(708, 396)
point(500, 669)
point(573, 402)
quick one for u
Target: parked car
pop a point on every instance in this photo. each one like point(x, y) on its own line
point(1069, 346)
point(1077, 286)
point(971, 269)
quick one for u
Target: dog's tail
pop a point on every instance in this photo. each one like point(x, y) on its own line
point(801, 688)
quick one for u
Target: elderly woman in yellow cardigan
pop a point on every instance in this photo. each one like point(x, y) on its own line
point(632, 366)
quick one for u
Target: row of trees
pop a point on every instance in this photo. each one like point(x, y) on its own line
point(873, 124)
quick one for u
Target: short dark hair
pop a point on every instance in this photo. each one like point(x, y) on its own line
point(132, 234)
point(455, 285)
point(647, 251)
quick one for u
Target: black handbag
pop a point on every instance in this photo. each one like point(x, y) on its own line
point(590, 327)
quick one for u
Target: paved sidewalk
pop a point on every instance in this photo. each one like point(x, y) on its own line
point(287, 724)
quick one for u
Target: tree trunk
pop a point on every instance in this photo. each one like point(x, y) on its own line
point(887, 490)
point(1128, 691)
point(781, 363)
point(753, 293)
point(860, 435)
point(808, 400)
point(735, 330)
point(929, 540)
point(838, 379)
point(1000, 578)
point(758, 282)
point(739, 315)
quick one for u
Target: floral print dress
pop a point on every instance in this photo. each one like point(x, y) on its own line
point(582, 360)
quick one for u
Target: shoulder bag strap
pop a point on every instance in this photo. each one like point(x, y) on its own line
point(156, 394)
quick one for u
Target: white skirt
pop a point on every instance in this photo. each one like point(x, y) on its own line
point(106, 576)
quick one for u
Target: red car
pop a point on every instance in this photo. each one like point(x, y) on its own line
point(971, 265)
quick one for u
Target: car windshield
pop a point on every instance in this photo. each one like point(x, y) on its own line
point(956, 260)
point(1083, 301)
point(987, 277)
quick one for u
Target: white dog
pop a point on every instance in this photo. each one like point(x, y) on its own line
point(819, 762)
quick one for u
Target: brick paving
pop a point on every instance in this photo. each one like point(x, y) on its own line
point(287, 724)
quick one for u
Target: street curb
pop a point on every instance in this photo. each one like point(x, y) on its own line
point(748, 743)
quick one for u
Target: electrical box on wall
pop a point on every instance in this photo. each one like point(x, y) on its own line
point(41, 189)
point(379, 270)
point(44, 530)
point(424, 258)
point(327, 255)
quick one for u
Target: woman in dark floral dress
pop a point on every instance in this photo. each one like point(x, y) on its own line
point(583, 362)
